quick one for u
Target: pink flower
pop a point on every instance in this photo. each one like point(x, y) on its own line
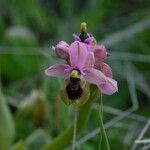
point(82, 60)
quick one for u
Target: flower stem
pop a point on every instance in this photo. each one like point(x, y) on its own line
point(75, 129)
point(104, 144)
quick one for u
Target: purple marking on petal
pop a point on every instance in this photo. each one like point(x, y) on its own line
point(94, 76)
point(78, 53)
point(57, 70)
point(109, 88)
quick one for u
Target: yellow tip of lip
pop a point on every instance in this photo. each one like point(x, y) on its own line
point(74, 74)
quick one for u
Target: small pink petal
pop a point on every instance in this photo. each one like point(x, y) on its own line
point(57, 70)
point(89, 40)
point(105, 69)
point(90, 60)
point(76, 37)
point(100, 53)
point(62, 49)
point(109, 88)
point(77, 54)
point(94, 76)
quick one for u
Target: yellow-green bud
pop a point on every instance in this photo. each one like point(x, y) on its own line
point(83, 27)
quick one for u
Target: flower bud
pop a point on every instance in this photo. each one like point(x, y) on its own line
point(34, 106)
point(83, 27)
point(61, 50)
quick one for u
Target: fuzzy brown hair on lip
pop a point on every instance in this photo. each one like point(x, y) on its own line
point(73, 89)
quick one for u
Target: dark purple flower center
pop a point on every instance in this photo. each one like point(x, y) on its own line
point(83, 36)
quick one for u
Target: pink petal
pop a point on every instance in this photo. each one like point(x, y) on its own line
point(89, 40)
point(57, 70)
point(62, 49)
point(110, 87)
point(90, 60)
point(100, 53)
point(76, 37)
point(77, 52)
point(105, 69)
point(94, 76)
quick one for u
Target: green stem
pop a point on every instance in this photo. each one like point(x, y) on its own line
point(75, 129)
point(104, 144)
point(65, 138)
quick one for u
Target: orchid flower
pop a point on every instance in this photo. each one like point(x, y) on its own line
point(84, 65)
point(83, 62)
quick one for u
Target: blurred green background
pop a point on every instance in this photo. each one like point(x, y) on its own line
point(29, 28)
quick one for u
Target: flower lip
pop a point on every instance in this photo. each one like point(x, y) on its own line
point(74, 89)
point(74, 93)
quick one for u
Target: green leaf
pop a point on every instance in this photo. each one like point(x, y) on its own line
point(7, 130)
point(37, 139)
point(19, 146)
